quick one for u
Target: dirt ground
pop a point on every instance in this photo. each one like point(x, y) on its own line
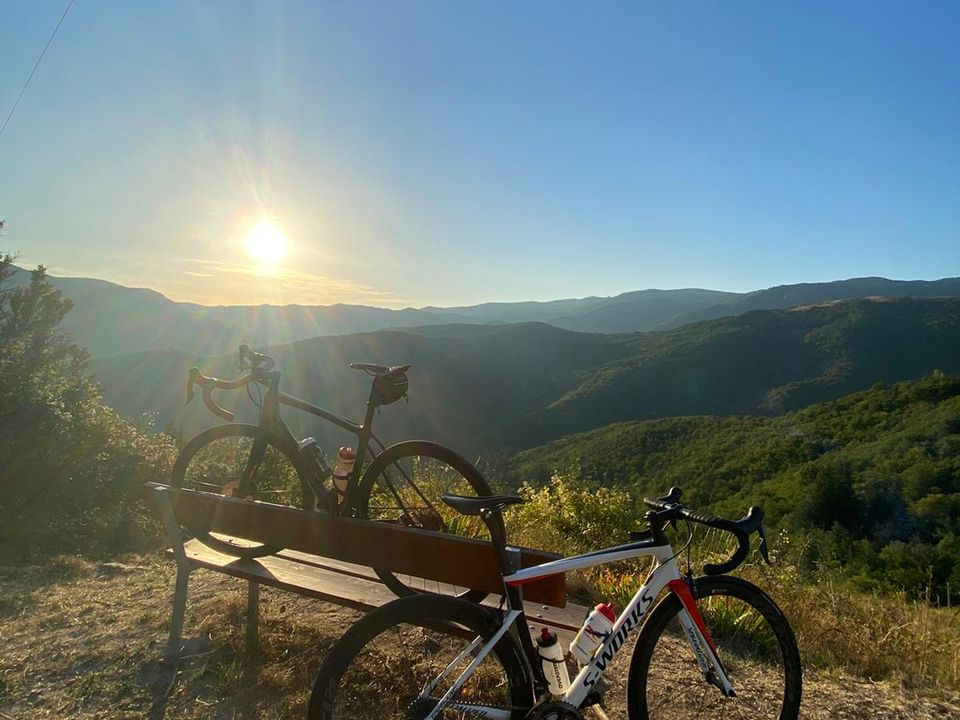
point(86, 640)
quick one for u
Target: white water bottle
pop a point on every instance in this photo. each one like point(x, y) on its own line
point(551, 658)
point(596, 628)
point(344, 468)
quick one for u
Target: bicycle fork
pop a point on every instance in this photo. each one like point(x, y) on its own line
point(695, 630)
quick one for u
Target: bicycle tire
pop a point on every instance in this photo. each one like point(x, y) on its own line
point(280, 463)
point(432, 469)
point(381, 665)
point(754, 642)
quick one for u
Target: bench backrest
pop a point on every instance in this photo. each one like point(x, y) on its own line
point(461, 561)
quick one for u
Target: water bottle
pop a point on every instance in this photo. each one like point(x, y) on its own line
point(341, 473)
point(313, 454)
point(551, 658)
point(596, 628)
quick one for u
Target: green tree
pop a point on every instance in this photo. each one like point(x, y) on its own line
point(69, 466)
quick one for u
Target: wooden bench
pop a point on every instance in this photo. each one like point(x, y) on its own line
point(330, 558)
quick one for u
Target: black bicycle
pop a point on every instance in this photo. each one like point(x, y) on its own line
point(400, 484)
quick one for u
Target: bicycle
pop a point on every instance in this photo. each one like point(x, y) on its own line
point(453, 659)
point(401, 483)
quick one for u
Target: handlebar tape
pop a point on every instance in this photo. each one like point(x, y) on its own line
point(207, 384)
point(741, 529)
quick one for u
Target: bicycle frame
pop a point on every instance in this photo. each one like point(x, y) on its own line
point(273, 426)
point(665, 576)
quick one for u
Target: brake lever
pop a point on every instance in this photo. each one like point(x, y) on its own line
point(190, 380)
point(763, 545)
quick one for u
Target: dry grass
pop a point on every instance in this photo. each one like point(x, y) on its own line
point(82, 640)
point(872, 636)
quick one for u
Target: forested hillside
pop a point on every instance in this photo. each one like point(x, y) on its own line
point(494, 388)
point(762, 362)
point(870, 480)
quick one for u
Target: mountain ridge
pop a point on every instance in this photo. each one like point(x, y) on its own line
point(112, 320)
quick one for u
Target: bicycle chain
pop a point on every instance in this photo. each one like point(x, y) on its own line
point(414, 712)
point(552, 710)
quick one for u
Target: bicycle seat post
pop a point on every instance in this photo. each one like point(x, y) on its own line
point(493, 519)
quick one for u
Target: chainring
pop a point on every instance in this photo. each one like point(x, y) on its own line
point(555, 710)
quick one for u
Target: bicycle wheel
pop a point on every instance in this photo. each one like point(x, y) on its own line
point(214, 462)
point(398, 661)
point(754, 643)
point(403, 485)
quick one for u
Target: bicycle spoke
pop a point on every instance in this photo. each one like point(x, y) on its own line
point(748, 648)
point(406, 489)
point(389, 677)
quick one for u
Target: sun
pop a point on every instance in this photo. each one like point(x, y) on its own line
point(266, 243)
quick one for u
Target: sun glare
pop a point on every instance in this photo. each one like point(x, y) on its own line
point(266, 243)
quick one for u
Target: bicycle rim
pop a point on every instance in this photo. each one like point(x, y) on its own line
point(214, 462)
point(754, 644)
point(399, 661)
point(403, 486)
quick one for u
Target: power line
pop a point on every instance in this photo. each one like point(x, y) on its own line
point(30, 77)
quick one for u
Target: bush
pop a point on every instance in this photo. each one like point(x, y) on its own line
point(570, 515)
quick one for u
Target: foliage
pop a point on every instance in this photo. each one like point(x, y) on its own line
point(570, 516)
point(70, 468)
point(870, 482)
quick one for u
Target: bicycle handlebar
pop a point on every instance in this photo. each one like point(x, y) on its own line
point(207, 385)
point(257, 362)
point(669, 507)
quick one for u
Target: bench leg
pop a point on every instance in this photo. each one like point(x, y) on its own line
point(174, 643)
point(253, 615)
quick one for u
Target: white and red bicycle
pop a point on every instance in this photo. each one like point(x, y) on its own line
point(713, 646)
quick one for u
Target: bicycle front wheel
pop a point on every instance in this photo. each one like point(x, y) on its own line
point(400, 660)
point(754, 643)
point(214, 462)
point(403, 485)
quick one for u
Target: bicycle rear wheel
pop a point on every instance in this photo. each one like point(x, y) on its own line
point(214, 462)
point(391, 664)
point(403, 485)
point(754, 643)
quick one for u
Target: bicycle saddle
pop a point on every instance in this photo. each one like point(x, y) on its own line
point(474, 505)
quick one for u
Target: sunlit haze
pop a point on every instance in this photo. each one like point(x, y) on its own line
point(455, 153)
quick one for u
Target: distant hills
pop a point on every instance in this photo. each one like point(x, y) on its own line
point(111, 319)
point(488, 388)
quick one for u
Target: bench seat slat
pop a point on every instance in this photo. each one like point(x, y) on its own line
point(343, 584)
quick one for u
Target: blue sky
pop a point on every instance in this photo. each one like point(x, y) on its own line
point(451, 153)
